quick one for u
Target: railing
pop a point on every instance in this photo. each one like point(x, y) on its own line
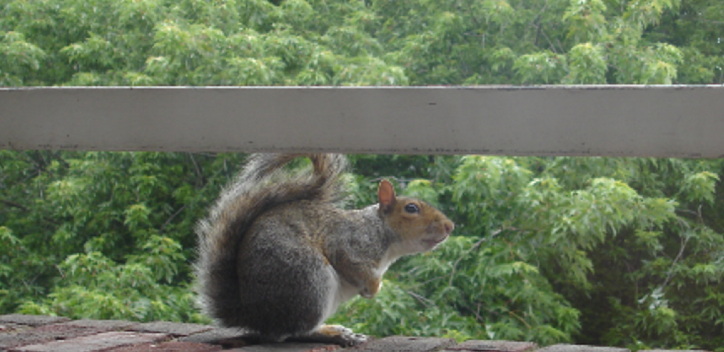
point(656, 121)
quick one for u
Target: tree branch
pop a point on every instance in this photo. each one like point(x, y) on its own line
point(26, 209)
point(160, 230)
point(424, 300)
point(475, 246)
point(14, 205)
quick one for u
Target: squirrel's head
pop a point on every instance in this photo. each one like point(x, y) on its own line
point(419, 225)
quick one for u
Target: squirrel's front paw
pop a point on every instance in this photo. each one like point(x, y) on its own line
point(371, 289)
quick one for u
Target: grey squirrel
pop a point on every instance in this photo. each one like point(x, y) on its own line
point(278, 255)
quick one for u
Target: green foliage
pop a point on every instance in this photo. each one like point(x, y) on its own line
point(297, 42)
point(154, 42)
point(104, 235)
point(588, 65)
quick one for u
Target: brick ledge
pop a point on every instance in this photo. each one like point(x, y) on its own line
point(26, 333)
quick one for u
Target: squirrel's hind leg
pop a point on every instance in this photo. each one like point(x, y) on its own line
point(337, 294)
point(336, 334)
point(288, 290)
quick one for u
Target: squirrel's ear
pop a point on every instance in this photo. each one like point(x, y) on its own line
point(386, 195)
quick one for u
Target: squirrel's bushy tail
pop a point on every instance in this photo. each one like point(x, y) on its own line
point(262, 185)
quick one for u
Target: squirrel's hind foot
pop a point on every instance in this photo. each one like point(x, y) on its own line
point(336, 334)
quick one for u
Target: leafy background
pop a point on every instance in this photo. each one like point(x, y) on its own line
point(608, 251)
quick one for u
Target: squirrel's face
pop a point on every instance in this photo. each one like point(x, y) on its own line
point(421, 226)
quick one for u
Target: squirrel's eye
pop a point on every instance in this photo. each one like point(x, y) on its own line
point(412, 208)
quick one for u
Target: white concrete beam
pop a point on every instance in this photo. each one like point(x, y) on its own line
point(658, 121)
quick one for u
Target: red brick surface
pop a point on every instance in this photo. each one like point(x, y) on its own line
point(493, 346)
point(404, 343)
point(23, 333)
point(94, 343)
point(12, 328)
point(43, 334)
point(173, 346)
point(105, 325)
point(673, 351)
point(175, 329)
point(216, 336)
point(32, 320)
point(287, 347)
point(581, 348)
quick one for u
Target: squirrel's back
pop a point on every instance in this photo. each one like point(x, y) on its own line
point(262, 185)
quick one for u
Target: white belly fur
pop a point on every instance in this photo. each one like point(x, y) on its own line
point(339, 292)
